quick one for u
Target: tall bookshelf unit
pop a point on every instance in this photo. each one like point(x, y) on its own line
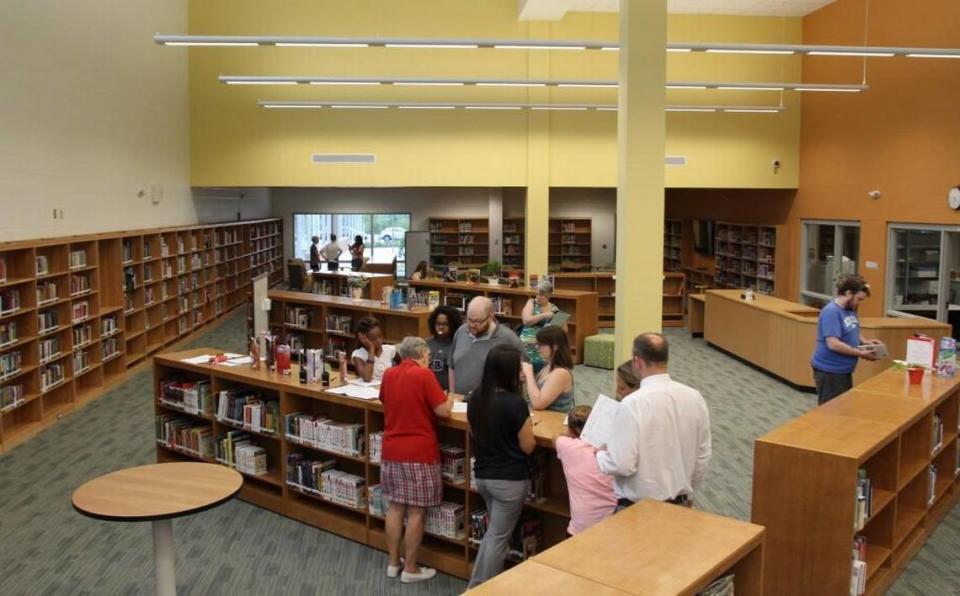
point(276, 489)
point(745, 256)
point(570, 244)
point(89, 307)
point(514, 233)
point(672, 244)
point(463, 242)
point(805, 483)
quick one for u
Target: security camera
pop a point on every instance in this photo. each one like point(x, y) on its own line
point(874, 194)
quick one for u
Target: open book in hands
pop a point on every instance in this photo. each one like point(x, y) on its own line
point(598, 431)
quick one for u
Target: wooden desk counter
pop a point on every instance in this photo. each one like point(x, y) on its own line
point(531, 577)
point(655, 548)
point(779, 336)
point(696, 305)
point(375, 281)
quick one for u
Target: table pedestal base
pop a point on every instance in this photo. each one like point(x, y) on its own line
point(163, 557)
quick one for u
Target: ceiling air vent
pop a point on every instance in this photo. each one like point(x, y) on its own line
point(343, 158)
point(676, 160)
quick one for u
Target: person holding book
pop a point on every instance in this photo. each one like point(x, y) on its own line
point(410, 471)
point(591, 491)
point(536, 314)
point(839, 344)
point(372, 359)
point(356, 253)
point(420, 272)
point(627, 381)
point(473, 341)
point(659, 445)
point(552, 387)
point(331, 253)
point(502, 431)
point(443, 321)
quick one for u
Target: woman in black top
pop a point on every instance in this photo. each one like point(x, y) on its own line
point(503, 437)
point(443, 322)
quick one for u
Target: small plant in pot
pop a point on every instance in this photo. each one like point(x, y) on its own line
point(357, 284)
point(914, 371)
point(491, 271)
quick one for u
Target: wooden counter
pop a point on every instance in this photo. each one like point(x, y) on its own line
point(271, 491)
point(779, 336)
point(805, 483)
point(695, 307)
point(581, 306)
point(337, 279)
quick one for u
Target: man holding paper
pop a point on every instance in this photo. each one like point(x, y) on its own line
point(839, 344)
point(659, 441)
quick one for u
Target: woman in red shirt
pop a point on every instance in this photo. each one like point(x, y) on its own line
point(410, 470)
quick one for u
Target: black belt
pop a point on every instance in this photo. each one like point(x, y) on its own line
point(679, 500)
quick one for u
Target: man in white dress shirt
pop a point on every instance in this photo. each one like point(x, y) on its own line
point(661, 433)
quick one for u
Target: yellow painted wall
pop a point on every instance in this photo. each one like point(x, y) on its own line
point(236, 143)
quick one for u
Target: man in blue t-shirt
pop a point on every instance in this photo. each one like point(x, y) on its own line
point(839, 341)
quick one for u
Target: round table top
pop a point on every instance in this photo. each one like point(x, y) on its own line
point(157, 491)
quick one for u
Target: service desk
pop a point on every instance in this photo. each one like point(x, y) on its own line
point(276, 490)
point(509, 302)
point(779, 336)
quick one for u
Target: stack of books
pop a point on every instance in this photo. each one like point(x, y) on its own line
point(81, 361)
point(445, 520)
point(237, 449)
point(324, 433)
point(49, 349)
point(108, 325)
point(344, 488)
point(377, 505)
point(78, 259)
point(82, 334)
point(339, 323)
point(46, 292)
point(452, 460)
point(10, 363)
point(298, 317)
point(80, 311)
point(109, 348)
point(247, 409)
point(376, 447)
point(8, 333)
point(306, 474)
point(11, 396)
point(47, 320)
point(51, 374)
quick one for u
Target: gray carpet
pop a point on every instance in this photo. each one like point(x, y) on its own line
point(236, 549)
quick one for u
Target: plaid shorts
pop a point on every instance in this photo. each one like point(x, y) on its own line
point(412, 483)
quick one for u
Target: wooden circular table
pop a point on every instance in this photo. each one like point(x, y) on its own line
point(158, 493)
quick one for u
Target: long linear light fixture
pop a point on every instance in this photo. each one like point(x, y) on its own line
point(526, 44)
point(560, 107)
point(347, 81)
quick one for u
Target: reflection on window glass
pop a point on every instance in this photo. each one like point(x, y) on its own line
point(917, 273)
point(382, 234)
point(832, 250)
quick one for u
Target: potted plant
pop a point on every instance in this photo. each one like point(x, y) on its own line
point(491, 271)
point(357, 284)
point(914, 371)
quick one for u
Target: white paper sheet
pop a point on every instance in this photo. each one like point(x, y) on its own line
point(361, 383)
point(203, 359)
point(238, 361)
point(920, 351)
point(599, 427)
point(352, 390)
point(460, 407)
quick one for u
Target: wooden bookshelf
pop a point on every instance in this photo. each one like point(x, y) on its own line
point(673, 299)
point(604, 284)
point(697, 280)
point(672, 244)
point(581, 306)
point(461, 242)
point(317, 334)
point(745, 257)
point(805, 483)
point(453, 555)
point(86, 298)
point(514, 247)
point(334, 283)
point(570, 242)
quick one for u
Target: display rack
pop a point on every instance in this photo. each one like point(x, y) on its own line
point(89, 307)
point(273, 489)
point(570, 244)
point(745, 256)
point(581, 306)
point(672, 244)
point(462, 242)
point(805, 483)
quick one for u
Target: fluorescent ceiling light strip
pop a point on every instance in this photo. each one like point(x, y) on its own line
point(539, 46)
point(748, 88)
point(682, 86)
point(265, 82)
point(212, 43)
point(932, 55)
point(359, 107)
point(760, 52)
point(560, 108)
point(678, 50)
point(691, 109)
point(481, 107)
point(589, 85)
point(504, 106)
point(428, 83)
point(752, 110)
point(346, 83)
point(826, 90)
point(457, 46)
point(319, 44)
point(512, 84)
point(292, 106)
point(851, 53)
point(426, 107)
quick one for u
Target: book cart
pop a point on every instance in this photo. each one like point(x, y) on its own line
point(77, 312)
point(189, 427)
point(508, 302)
point(808, 493)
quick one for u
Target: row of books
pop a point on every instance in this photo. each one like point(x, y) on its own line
point(446, 519)
point(8, 333)
point(376, 447)
point(129, 279)
point(10, 363)
point(43, 265)
point(46, 292)
point(109, 348)
point(246, 408)
point(238, 449)
point(49, 349)
point(11, 396)
point(48, 319)
point(931, 484)
point(9, 300)
point(502, 305)
point(339, 323)
point(52, 374)
point(306, 473)
point(323, 433)
point(108, 325)
point(525, 541)
point(722, 586)
point(858, 576)
point(80, 310)
point(126, 250)
point(864, 505)
point(194, 397)
point(3, 270)
point(299, 317)
point(78, 259)
point(81, 361)
point(185, 434)
point(82, 334)
point(452, 462)
point(320, 477)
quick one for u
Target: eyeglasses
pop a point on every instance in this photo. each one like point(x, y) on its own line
point(480, 322)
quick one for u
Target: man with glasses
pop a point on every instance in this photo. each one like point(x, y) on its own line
point(471, 343)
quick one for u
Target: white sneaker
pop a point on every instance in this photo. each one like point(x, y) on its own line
point(392, 571)
point(424, 574)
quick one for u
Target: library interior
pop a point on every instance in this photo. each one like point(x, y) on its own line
point(513, 296)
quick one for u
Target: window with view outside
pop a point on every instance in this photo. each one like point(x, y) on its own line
point(382, 233)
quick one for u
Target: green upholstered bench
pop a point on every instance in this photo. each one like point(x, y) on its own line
point(598, 350)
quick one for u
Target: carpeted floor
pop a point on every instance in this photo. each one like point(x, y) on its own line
point(238, 549)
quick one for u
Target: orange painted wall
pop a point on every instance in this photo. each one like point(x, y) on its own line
point(902, 137)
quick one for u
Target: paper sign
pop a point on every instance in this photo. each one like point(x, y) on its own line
point(598, 429)
point(202, 359)
point(460, 407)
point(920, 350)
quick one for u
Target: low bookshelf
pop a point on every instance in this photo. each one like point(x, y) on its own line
point(570, 242)
point(810, 484)
point(334, 283)
point(193, 422)
point(509, 302)
point(77, 312)
point(604, 284)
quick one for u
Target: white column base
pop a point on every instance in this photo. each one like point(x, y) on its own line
point(164, 557)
